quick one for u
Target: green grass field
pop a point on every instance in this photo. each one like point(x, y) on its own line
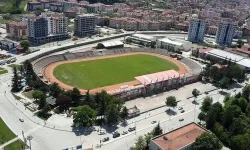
point(3, 71)
point(109, 71)
point(6, 134)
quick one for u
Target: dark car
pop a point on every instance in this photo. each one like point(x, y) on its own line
point(105, 139)
point(131, 129)
point(182, 111)
point(116, 134)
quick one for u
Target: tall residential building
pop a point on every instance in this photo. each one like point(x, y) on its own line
point(225, 33)
point(37, 27)
point(17, 30)
point(46, 28)
point(57, 23)
point(197, 29)
point(84, 24)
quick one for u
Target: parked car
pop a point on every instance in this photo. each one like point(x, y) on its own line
point(181, 119)
point(182, 111)
point(101, 133)
point(124, 132)
point(21, 120)
point(153, 122)
point(27, 88)
point(116, 134)
point(131, 129)
point(180, 108)
point(105, 139)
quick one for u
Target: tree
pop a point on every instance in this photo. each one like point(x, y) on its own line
point(248, 110)
point(206, 104)
point(46, 109)
point(224, 83)
point(157, 130)
point(140, 144)
point(75, 96)
point(112, 114)
point(202, 116)
point(55, 90)
point(241, 142)
point(25, 45)
point(218, 129)
point(246, 92)
point(242, 103)
point(237, 73)
point(240, 43)
point(89, 100)
point(15, 81)
point(21, 70)
point(171, 102)
point(124, 113)
point(213, 115)
point(238, 126)
point(195, 93)
point(207, 141)
point(84, 116)
point(37, 94)
point(30, 76)
point(63, 101)
point(42, 102)
point(230, 113)
point(148, 138)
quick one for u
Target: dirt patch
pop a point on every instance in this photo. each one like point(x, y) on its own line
point(48, 71)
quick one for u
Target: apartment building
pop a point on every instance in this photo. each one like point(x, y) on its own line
point(197, 29)
point(130, 24)
point(225, 33)
point(37, 27)
point(84, 24)
point(33, 5)
point(57, 23)
point(212, 30)
point(17, 30)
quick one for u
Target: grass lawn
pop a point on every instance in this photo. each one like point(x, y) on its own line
point(109, 71)
point(15, 65)
point(6, 134)
point(3, 71)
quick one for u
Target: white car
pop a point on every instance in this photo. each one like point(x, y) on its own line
point(180, 108)
point(21, 120)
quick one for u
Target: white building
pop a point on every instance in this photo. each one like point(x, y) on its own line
point(225, 33)
point(57, 23)
point(197, 29)
point(85, 24)
point(170, 45)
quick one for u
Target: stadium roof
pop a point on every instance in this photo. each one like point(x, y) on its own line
point(158, 77)
point(144, 36)
point(168, 41)
point(112, 43)
point(244, 62)
point(179, 138)
point(225, 55)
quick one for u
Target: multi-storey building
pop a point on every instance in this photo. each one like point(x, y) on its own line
point(197, 29)
point(17, 30)
point(46, 28)
point(130, 25)
point(84, 24)
point(212, 30)
point(225, 33)
point(33, 5)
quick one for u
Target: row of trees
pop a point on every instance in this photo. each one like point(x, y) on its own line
point(231, 123)
point(225, 75)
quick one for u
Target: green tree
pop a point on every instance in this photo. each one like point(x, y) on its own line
point(206, 104)
point(84, 116)
point(157, 130)
point(124, 113)
point(230, 113)
point(112, 114)
point(42, 102)
point(140, 144)
point(30, 76)
point(238, 126)
point(148, 138)
point(55, 90)
point(215, 73)
point(21, 70)
point(202, 116)
point(240, 43)
point(195, 93)
point(207, 141)
point(75, 96)
point(25, 45)
point(241, 142)
point(248, 110)
point(37, 94)
point(246, 92)
point(46, 109)
point(224, 83)
point(237, 73)
point(242, 103)
point(15, 81)
point(171, 102)
point(213, 115)
point(218, 129)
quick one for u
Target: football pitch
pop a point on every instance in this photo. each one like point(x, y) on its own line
point(108, 71)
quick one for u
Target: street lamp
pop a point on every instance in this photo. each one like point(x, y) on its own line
point(30, 138)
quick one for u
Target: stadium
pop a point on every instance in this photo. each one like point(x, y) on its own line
point(123, 72)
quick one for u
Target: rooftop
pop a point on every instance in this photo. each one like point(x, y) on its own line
point(167, 40)
point(225, 55)
point(180, 137)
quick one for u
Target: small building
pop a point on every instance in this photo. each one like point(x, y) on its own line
point(179, 139)
point(141, 39)
point(33, 5)
point(7, 45)
point(51, 101)
point(110, 44)
point(134, 111)
point(170, 45)
point(17, 30)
